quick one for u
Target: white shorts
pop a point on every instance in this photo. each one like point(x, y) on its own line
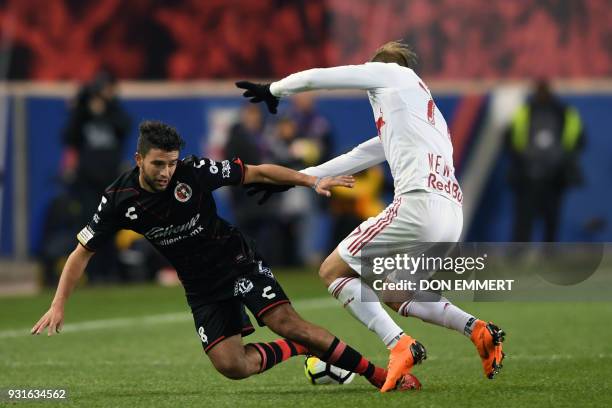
point(413, 219)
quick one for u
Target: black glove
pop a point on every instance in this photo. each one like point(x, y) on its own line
point(258, 93)
point(268, 190)
point(190, 160)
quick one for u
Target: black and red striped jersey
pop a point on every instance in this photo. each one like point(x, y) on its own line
point(181, 222)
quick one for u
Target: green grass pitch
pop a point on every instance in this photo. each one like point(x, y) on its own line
point(136, 346)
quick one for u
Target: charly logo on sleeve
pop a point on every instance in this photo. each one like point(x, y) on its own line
point(131, 213)
point(182, 192)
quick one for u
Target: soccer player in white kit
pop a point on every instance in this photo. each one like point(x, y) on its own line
point(414, 139)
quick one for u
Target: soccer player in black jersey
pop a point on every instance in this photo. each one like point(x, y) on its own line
point(170, 202)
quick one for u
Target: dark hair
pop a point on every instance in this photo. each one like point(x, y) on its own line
point(396, 51)
point(157, 135)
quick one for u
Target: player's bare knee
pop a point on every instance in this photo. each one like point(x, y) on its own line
point(231, 368)
point(333, 268)
point(327, 271)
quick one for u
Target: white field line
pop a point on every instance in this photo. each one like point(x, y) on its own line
point(300, 305)
point(461, 359)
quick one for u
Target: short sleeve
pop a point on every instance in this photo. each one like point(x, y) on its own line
point(213, 174)
point(102, 226)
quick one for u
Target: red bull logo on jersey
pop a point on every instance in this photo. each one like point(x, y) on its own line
point(442, 177)
point(450, 187)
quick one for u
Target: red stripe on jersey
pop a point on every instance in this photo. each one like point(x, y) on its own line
point(365, 232)
point(374, 233)
point(265, 309)
point(373, 228)
point(118, 190)
point(378, 230)
point(213, 343)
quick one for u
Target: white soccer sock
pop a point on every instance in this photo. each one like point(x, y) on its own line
point(362, 302)
point(442, 313)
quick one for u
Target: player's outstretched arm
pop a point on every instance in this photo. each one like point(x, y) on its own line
point(53, 319)
point(343, 77)
point(273, 174)
point(362, 76)
point(363, 156)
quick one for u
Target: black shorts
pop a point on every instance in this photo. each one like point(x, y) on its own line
point(259, 292)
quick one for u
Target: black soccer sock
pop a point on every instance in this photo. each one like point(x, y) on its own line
point(277, 351)
point(344, 356)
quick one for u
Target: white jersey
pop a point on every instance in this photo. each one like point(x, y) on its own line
point(412, 134)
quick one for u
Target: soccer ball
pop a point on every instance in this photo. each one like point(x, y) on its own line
point(319, 372)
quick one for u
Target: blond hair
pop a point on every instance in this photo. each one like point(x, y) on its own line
point(396, 51)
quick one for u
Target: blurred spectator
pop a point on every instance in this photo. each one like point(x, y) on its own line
point(246, 140)
point(291, 149)
point(94, 138)
point(351, 206)
point(544, 141)
point(312, 126)
point(316, 129)
point(63, 220)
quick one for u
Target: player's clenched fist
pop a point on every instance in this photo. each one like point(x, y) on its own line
point(53, 319)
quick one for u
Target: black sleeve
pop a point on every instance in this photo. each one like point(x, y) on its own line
point(214, 174)
point(102, 226)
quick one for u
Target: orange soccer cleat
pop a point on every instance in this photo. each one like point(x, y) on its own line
point(406, 353)
point(488, 339)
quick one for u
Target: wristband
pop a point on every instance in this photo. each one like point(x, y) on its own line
point(316, 184)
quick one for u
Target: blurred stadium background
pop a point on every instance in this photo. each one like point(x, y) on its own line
point(176, 61)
